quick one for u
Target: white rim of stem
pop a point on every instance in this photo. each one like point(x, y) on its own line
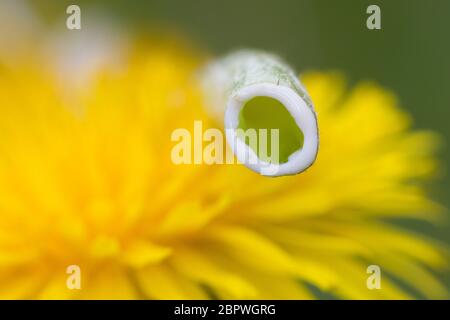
point(303, 116)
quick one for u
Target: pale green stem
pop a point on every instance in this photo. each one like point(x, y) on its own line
point(256, 90)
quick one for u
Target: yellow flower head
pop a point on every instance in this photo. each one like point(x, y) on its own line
point(87, 180)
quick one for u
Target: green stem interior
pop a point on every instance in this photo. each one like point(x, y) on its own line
point(268, 113)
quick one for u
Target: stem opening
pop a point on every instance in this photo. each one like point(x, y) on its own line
point(263, 112)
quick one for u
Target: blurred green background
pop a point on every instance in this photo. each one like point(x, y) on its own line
point(410, 55)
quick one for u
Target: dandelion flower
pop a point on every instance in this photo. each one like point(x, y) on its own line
point(97, 189)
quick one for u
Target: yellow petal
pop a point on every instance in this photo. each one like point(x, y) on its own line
point(142, 253)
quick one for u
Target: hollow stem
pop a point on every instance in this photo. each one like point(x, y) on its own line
point(252, 90)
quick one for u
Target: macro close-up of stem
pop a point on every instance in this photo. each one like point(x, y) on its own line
point(257, 90)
